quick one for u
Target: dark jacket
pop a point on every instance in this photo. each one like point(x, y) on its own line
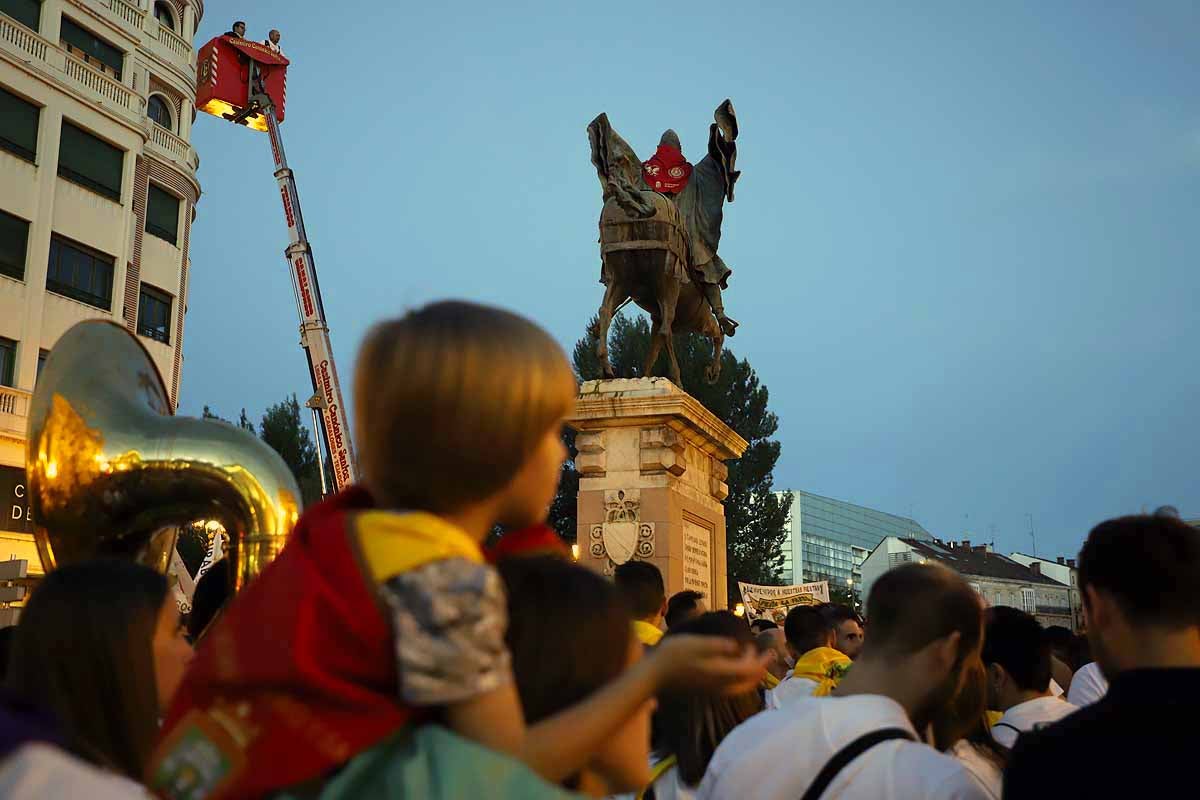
point(1140, 740)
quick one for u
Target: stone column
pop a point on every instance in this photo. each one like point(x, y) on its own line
point(652, 482)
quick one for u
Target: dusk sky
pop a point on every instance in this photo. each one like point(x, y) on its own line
point(964, 241)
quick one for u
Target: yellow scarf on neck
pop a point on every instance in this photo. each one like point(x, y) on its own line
point(646, 633)
point(769, 682)
point(824, 666)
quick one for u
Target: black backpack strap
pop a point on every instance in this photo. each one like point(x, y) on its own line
point(1012, 728)
point(847, 754)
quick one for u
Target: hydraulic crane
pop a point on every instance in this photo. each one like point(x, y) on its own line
point(328, 408)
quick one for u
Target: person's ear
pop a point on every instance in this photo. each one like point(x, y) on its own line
point(996, 677)
point(1097, 608)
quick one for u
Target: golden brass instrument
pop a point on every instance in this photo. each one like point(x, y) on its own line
point(112, 473)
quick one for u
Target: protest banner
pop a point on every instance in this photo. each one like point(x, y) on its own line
point(774, 602)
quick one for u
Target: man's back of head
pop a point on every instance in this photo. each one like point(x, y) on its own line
point(916, 604)
point(683, 606)
point(1139, 577)
point(1016, 653)
point(641, 584)
point(806, 628)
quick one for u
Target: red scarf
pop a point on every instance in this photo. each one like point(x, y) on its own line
point(540, 540)
point(298, 676)
point(667, 171)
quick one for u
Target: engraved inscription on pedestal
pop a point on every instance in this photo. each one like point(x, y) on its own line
point(697, 558)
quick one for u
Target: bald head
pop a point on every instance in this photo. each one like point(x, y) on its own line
point(671, 139)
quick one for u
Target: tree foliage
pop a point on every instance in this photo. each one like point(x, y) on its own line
point(755, 517)
point(284, 430)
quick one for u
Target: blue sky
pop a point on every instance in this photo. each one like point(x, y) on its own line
point(964, 242)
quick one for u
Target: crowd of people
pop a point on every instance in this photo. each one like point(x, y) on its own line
point(387, 653)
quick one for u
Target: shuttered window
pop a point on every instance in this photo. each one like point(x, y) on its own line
point(90, 162)
point(91, 48)
point(80, 273)
point(162, 214)
point(14, 237)
point(18, 126)
point(26, 12)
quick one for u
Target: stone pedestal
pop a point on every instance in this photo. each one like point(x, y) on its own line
point(652, 481)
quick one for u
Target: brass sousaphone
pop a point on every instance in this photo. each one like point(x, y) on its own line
point(112, 473)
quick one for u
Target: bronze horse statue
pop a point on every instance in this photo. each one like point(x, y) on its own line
point(659, 249)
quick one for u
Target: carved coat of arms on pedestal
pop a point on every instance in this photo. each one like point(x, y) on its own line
point(622, 536)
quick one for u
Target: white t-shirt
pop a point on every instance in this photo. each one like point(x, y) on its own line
point(985, 771)
point(41, 771)
point(775, 755)
point(1088, 685)
point(1030, 716)
point(789, 691)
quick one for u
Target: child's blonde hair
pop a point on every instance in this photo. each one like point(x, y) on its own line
point(450, 401)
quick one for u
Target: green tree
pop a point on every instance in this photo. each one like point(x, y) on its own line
point(283, 428)
point(755, 517)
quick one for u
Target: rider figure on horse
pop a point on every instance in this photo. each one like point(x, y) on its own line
point(669, 173)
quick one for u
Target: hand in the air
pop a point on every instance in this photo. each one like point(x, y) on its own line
point(706, 663)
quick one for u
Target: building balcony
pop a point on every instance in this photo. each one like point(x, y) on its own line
point(25, 45)
point(166, 145)
point(128, 13)
point(143, 27)
point(14, 412)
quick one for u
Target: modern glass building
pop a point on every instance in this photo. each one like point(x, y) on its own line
point(829, 539)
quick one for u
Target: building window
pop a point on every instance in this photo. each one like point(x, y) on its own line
point(154, 314)
point(160, 111)
point(162, 214)
point(91, 48)
point(18, 126)
point(14, 235)
point(8, 360)
point(42, 356)
point(162, 12)
point(26, 12)
point(90, 162)
point(80, 273)
point(1028, 601)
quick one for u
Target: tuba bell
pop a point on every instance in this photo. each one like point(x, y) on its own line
point(111, 473)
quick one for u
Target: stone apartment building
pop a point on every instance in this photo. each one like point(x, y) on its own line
point(1000, 580)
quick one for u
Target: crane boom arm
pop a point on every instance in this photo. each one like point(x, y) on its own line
point(314, 331)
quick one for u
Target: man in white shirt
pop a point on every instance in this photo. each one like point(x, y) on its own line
point(1017, 656)
point(926, 628)
point(272, 41)
point(811, 637)
point(1088, 686)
